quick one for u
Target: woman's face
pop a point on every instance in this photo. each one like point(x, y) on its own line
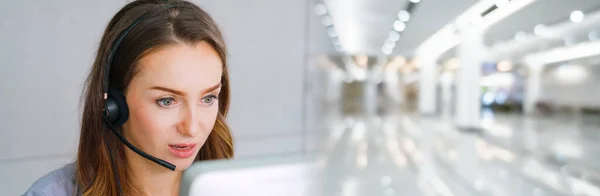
point(173, 102)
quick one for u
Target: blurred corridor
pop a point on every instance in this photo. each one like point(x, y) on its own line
point(497, 103)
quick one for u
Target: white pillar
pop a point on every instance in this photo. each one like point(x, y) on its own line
point(472, 52)
point(427, 83)
point(532, 88)
point(393, 88)
point(446, 83)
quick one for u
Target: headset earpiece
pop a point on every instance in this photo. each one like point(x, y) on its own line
point(115, 107)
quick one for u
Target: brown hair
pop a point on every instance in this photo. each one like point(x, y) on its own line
point(165, 22)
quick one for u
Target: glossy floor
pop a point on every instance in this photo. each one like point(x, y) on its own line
point(402, 154)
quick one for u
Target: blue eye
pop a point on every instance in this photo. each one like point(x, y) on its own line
point(209, 99)
point(165, 102)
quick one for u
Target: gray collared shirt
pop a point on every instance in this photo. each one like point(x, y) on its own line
point(60, 182)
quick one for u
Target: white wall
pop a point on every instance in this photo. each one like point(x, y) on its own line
point(47, 48)
point(270, 43)
point(266, 39)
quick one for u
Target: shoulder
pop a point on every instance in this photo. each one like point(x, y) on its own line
point(60, 182)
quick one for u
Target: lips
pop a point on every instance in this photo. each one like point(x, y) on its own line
point(182, 150)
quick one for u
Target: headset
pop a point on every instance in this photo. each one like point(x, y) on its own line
point(115, 111)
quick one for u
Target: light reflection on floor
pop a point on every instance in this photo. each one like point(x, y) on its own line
point(403, 154)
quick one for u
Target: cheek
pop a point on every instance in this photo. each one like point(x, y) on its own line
point(209, 119)
point(148, 125)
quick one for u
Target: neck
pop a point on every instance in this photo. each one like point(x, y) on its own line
point(150, 178)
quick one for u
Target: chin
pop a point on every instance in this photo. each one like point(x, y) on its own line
point(183, 164)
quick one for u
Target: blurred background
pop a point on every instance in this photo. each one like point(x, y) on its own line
point(397, 97)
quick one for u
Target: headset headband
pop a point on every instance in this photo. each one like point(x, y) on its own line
point(116, 45)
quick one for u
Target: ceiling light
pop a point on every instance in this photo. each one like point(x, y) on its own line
point(321, 9)
point(581, 50)
point(389, 43)
point(520, 36)
point(570, 41)
point(336, 42)
point(394, 36)
point(571, 74)
point(386, 50)
point(331, 32)
point(399, 25)
point(476, 20)
point(403, 15)
point(577, 16)
point(593, 35)
point(540, 30)
point(327, 21)
point(446, 38)
point(501, 3)
point(509, 9)
point(415, 1)
point(338, 48)
point(504, 66)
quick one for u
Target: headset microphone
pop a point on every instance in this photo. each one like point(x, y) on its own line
point(137, 150)
point(116, 111)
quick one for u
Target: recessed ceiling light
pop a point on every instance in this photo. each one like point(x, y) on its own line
point(593, 35)
point(520, 36)
point(404, 15)
point(320, 9)
point(327, 21)
point(331, 32)
point(399, 25)
point(394, 36)
point(477, 20)
point(386, 50)
point(390, 43)
point(540, 29)
point(577, 16)
point(336, 42)
point(501, 3)
point(570, 41)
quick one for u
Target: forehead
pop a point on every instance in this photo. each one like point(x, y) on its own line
point(187, 67)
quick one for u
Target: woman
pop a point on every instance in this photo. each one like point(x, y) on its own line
point(160, 82)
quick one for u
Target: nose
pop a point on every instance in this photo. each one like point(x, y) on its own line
point(190, 123)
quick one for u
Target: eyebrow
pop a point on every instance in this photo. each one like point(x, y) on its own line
point(183, 93)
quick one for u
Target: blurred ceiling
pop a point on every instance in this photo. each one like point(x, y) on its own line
point(364, 25)
point(546, 12)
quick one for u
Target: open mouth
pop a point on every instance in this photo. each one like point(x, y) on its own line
point(182, 150)
point(180, 147)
